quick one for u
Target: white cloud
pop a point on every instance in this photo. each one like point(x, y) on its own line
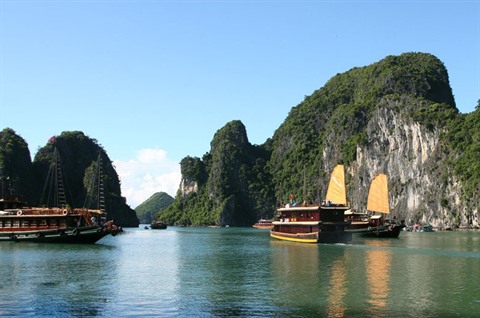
point(151, 171)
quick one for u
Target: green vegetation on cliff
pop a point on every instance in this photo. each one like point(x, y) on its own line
point(464, 138)
point(15, 166)
point(228, 186)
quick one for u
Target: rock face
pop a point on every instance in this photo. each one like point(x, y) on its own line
point(421, 186)
point(396, 116)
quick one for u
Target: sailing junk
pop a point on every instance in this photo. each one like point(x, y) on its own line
point(313, 223)
point(376, 225)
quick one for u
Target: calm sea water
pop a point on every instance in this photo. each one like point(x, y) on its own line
point(239, 272)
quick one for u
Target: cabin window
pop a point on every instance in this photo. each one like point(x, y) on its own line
point(16, 223)
point(25, 223)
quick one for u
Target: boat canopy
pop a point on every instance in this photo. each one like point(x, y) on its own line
point(336, 192)
point(378, 195)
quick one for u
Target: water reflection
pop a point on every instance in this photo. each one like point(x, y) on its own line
point(52, 280)
point(338, 290)
point(310, 279)
point(224, 272)
point(378, 264)
point(144, 273)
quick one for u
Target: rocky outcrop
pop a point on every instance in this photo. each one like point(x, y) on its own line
point(421, 186)
point(78, 154)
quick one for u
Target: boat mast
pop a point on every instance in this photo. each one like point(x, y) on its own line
point(59, 195)
point(304, 186)
point(96, 190)
point(101, 194)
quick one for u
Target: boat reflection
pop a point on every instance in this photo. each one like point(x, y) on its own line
point(378, 264)
point(338, 289)
point(310, 279)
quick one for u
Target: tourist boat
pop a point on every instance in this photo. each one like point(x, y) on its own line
point(263, 224)
point(378, 205)
point(316, 223)
point(158, 225)
point(20, 223)
point(51, 225)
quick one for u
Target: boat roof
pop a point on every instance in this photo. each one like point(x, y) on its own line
point(299, 208)
point(376, 216)
point(354, 212)
point(296, 223)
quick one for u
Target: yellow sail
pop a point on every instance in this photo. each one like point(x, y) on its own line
point(378, 195)
point(336, 192)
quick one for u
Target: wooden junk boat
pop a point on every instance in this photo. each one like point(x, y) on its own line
point(316, 223)
point(375, 223)
point(52, 225)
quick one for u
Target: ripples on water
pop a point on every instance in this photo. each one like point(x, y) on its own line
point(235, 272)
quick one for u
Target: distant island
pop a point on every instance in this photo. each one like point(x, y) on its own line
point(147, 210)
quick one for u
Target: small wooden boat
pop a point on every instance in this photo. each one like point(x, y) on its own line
point(316, 223)
point(263, 224)
point(158, 225)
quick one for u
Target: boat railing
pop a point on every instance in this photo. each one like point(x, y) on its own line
point(39, 211)
point(297, 219)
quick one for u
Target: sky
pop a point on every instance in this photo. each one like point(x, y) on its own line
point(152, 81)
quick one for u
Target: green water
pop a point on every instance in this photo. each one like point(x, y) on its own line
point(239, 272)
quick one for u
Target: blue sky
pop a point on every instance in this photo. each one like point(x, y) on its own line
point(153, 81)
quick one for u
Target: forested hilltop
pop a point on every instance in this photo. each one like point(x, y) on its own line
point(78, 154)
point(397, 116)
point(147, 210)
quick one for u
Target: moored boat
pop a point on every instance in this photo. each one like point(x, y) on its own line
point(378, 205)
point(263, 224)
point(316, 223)
point(51, 225)
point(158, 225)
point(61, 224)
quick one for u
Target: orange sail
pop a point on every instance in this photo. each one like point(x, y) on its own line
point(336, 192)
point(378, 195)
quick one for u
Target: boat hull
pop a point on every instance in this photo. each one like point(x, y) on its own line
point(158, 226)
point(88, 235)
point(387, 231)
point(263, 227)
point(313, 237)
